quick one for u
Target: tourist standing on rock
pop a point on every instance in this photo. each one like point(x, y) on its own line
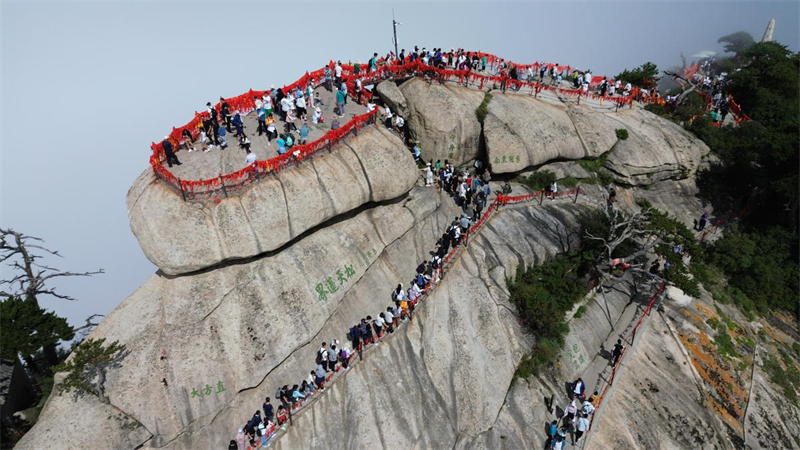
point(167, 146)
point(399, 125)
point(225, 113)
point(233, 445)
point(300, 103)
point(358, 90)
point(304, 130)
point(223, 141)
point(319, 377)
point(387, 117)
point(322, 355)
point(237, 122)
point(617, 353)
point(582, 426)
point(428, 175)
point(337, 73)
point(214, 122)
point(587, 408)
point(366, 330)
point(326, 78)
point(332, 357)
point(240, 439)
point(702, 223)
point(373, 63)
point(251, 158)
point(355, 336)
point(269, 411)
point(577, 389)
point(340, 98)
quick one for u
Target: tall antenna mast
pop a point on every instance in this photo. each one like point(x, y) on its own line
point(394, 28)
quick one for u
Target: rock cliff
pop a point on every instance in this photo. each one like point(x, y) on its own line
point(181, 237)
point(250, 286)
point(521, 131)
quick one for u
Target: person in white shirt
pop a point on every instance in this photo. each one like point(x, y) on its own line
point(399, 122)
point(301, 107)
point(581, 427)
point(587, 408)
point(337, 72)
point(286, 105)
point(388, 117)
point(358, 90)
point(370, 105)
point(251, 158)
point(266, 100)
point(317, 115)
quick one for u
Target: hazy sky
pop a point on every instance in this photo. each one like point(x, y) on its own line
point(87, 86)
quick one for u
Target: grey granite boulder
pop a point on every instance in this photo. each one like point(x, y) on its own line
point(184, 236)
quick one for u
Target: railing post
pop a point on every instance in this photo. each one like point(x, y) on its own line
point(579, 98)
point(541, 198)
point(183, 192)
point(225, 191)
point(577, 191)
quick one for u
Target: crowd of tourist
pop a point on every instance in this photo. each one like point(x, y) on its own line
point(296, 107)
point(469, 188)
point(334, 357)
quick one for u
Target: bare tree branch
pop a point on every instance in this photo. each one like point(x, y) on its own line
point(32, 276)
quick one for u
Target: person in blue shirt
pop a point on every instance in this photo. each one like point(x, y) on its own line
point(223, 142)
point(269, 411)
point(237, 122)
point(281, 145)
point(304, 130)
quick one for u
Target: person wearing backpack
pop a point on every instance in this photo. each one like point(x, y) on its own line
point(366, 331)
point(322, 355)
point(280, 394)
point(355, 336)
point(344, 357)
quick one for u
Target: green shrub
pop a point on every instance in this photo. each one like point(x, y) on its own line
point(580, 312)
point(702, 273)
point(787, 379)
point(538, 180)
point(483, 109)
point(621, 133)
point(568, 182)
point(713, 322)
point(543, 295)
point(760, 266)
point(722, 340)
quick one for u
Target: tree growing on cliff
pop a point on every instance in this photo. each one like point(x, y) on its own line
point(30, 279)
point(737, 42)
point(614, 238)
point(645, 76)
point(87, 367)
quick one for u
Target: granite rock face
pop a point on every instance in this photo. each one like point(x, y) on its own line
point(521, 132)
point(442, 118)
point(250, 286)
point(242, 328)
point(656, 149)
point(391, 95)
point(372, 167)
